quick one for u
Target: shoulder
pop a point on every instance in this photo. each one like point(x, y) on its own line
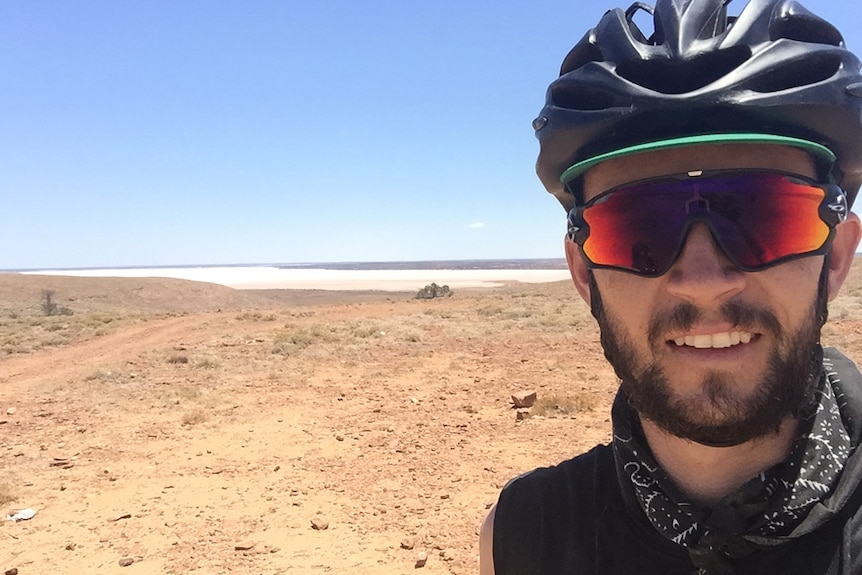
point(567, 479)
point(548, 514)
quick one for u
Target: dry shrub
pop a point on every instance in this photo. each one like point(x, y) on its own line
point(295, 339)
point(555, 405)
point(103, 374)
point(208, 362)
point(194, 417)
point(6, 495)
point(413, 336)
point(256, 316)
point(367, 330)
point(490, 310)
point(178, 359)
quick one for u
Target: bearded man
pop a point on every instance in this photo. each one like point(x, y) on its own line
point(707, 168)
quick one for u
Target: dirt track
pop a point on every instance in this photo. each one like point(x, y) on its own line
point(391, 421)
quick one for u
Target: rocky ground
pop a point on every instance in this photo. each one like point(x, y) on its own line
point(174, 427)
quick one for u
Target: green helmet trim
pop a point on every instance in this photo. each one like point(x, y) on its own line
point(813, 148)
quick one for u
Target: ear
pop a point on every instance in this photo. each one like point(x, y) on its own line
point(844, 245)
point(578, 269)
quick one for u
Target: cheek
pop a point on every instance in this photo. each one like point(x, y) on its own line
point(791, 288)
point(628, 299)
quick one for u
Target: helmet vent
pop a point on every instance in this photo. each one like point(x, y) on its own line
point(678, 77)
point(585, 98)
point(805, 27)
point(794, 74)
point(583, 53)
point(639, 17)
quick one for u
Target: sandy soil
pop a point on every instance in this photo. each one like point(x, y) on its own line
point(285, 433)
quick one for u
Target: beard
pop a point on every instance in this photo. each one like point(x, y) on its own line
point(786, 389)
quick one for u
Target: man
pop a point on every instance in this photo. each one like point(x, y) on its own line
point(708, 168)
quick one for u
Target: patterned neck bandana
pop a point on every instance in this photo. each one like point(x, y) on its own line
point(769, 506)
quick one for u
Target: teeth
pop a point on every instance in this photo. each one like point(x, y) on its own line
point(715, 340)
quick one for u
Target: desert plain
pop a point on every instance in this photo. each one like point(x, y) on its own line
point(172, 426)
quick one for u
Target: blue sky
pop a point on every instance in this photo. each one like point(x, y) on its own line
point(212, 132)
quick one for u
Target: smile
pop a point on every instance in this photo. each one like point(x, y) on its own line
point(714, 340)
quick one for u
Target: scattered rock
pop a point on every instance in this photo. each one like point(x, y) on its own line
point(522, 414)
point(421, 558)
point(319, 523)
point(12, 571)
point(244, 546)
point(123, 516)
point(408, 543)
point(126, 561)
point(11, 411)
point(432, 291)
point(524, 399)
point(447, 555)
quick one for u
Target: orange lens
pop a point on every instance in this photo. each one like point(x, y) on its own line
point(758, 219)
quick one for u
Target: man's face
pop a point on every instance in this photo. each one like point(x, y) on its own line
point(706, 351)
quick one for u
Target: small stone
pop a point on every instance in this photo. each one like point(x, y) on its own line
point(522, 414)
point(12, 571)
point(421, 558)
point(319, 523)
point(447, 555)
point(126, 561)
point(408, 543)
point(11, 411)
point(244, 546)
point(70, 546)
point(339, 437)
point(524, 399)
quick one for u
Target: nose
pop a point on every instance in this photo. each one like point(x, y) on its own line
point(702, 274)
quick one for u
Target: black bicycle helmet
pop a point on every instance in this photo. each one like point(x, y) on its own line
point(774, 72)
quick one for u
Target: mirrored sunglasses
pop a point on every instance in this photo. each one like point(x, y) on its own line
point(758, 219)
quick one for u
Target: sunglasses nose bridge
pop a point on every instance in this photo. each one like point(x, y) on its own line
point(700, 244)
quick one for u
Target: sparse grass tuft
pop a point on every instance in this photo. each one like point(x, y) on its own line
point(490, 310)
point(207, 362)
point(256, 316)
point(178, 359)
point(103, 374)
point(563, 405)
point(300, 338)
point(194, 417)
point(6, 494)
point(364, 331)
point(413, 336)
